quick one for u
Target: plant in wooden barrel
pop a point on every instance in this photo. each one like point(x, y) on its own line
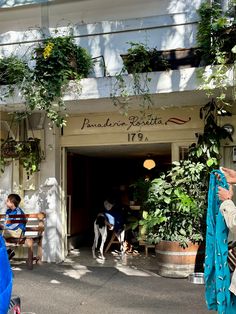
point(175, 219)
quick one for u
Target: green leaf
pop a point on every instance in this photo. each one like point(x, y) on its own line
point(145, 214)
point(210, 162)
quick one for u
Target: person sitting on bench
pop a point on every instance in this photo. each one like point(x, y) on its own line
point(15, 230)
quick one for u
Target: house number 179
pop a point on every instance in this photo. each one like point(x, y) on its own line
point(136, 137)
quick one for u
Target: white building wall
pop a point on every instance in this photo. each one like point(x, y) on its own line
point(103, 27)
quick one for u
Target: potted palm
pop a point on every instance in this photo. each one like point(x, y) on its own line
point(174, 218)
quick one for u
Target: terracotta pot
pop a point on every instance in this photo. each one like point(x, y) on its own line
point(177, 262)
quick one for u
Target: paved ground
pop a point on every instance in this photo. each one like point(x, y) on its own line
point(83, 285)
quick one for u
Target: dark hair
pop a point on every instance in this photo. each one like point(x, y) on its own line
point(15, 199)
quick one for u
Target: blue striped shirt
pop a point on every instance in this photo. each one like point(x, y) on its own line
point(15, 226)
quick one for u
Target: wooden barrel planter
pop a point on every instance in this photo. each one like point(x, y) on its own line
point(177, 262)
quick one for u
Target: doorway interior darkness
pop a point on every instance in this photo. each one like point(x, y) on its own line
point(96, 174)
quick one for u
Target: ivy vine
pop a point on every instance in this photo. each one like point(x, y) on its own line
point(139, 60)
point(58, 61)
point(216, 39)
point(207, 148)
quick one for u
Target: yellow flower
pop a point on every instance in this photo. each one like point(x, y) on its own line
point(47, 50)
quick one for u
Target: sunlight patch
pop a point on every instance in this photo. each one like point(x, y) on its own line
point(17, 268)
point(132, 272)
point(55, 281)
point(77, 273)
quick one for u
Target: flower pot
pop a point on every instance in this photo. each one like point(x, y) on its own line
point(182, 58)
point(154, 65)
point(177, 262)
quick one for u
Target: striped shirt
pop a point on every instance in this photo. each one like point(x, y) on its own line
point(15, 226)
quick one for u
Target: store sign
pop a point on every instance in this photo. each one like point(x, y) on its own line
point(132, 122)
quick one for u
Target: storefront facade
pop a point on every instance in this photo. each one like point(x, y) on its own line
point(100, 147)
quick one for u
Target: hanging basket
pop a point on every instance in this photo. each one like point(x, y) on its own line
point(32, 145)
point(30, 155)
point(15, 149)
point(8, 149)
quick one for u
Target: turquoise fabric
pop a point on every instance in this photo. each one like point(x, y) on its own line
point(5, 278)
point(216, 270)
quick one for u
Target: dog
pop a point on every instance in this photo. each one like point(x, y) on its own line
point(101, 225)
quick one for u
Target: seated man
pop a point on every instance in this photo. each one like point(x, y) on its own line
point(13, 230)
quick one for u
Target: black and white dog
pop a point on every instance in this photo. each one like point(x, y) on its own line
point(100, 229)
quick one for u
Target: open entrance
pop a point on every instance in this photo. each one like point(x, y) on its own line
point(100, 172)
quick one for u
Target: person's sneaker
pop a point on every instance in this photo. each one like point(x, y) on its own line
point(10, 253)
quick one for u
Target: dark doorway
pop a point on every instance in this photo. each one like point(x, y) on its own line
point(91, 180)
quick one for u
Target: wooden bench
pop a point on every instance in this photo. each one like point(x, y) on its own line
point(33, 235)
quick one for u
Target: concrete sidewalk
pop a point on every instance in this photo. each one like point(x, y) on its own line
point(83, 285)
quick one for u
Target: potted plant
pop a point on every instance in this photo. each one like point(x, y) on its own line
point(175, 215)
point(58, 60)
point(138, 61)
point(140, 58)
point(12, 70)
point(29, 154)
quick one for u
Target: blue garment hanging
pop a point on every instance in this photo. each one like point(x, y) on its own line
point(5, 278)
point(216, 271)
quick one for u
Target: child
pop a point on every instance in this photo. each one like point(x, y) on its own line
point(13, 230)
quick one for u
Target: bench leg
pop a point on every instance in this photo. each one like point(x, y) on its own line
point(146, 250)
point(30, 244)
point(39, 252)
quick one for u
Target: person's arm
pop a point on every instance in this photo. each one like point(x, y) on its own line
point(230, 175)
point(227, 208)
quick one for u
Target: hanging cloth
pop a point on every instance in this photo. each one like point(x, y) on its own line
point(5, 278)
point(216, 271)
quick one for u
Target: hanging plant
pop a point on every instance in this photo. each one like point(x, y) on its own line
point(138, 61)
point(216, 38)
point(30, 155)
point(21, 147)
point(58, 60)
point(8, 148)
point(28, 152)
point(140, 58)
point(12, 72)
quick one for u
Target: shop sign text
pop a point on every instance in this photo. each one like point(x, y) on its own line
point(133, 121)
